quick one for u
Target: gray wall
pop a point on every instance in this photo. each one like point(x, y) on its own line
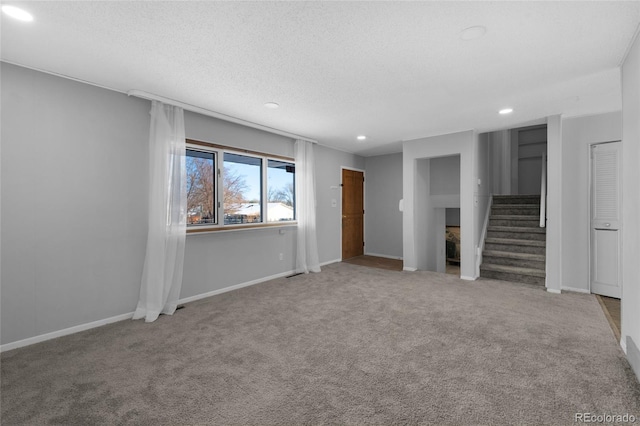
point(631, 204)
point(418, 201)
point(74, 202)
point(74, 206)
point(424, 218)
point(452, 216)
point(329, 163)
point(383, 219)
point(214, 261)
point(208, 129)
point(445, 175)
point(553, 259)
point(217, 260)
point(532, 144)
point(577, 136)
point(500, 162)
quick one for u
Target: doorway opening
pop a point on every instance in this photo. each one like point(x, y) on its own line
point(438, 183)
point(452, 240)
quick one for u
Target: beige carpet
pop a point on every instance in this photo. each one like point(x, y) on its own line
point(350, 345)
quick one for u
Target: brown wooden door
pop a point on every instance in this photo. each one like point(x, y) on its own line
point(352, 214)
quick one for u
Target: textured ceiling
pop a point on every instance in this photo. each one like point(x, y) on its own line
point(390, 70)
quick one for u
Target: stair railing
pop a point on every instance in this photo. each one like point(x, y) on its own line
point(485, 227)
point(543, 192)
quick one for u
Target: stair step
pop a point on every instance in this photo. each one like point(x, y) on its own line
point(513, 270)
point(513, 255)
point(515, 222)
point(516, 248)
point(515, 233)
point(515, 209)
point(514, 217)
point(515, 206)
point(516, 199)
point(513, 241)
point(515, 245)
point(535, 230)
point(512, 277)
point(509, 261)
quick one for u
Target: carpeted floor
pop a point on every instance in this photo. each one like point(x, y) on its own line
point(350, 345)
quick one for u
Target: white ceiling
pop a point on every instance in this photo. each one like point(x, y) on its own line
point(390, 70)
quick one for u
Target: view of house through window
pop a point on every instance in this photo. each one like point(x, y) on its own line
point(242, 189)
point(200, 168)
point(280, 191)
point(229, 188)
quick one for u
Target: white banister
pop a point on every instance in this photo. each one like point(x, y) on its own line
point(480, 248)
point(543, 192)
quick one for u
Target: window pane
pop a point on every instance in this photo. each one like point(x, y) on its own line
point(242, 186)
point(280, 191)
point(200, 187)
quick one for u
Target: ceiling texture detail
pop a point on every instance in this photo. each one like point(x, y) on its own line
point(392, 71)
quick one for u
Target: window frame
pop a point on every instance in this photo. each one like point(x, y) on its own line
point(263, 213)
point(216, 179)
point(219, 151)
point(266, 188)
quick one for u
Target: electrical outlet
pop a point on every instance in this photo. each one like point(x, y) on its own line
point(281, 256)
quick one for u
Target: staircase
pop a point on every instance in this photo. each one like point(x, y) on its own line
point(515, 245)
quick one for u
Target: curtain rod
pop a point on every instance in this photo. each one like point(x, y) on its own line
point(207, 112)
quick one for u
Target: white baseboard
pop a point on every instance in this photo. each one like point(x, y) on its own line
point(234, 287)
point(633, 355)
point(623, 345)
point(576, 290)
point(383, 255)
point(64, 332)
point(554, 291)
point(100, 323)
point(409, 269)
point(466, 278)
point(329, 262)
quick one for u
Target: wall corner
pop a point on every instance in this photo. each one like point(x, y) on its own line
point(554, 204)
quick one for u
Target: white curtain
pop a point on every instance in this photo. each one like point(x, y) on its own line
point(162, 273)
point(307, 247)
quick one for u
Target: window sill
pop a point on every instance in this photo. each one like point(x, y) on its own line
point(244, 227)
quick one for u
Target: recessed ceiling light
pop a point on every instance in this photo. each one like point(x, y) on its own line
point(361, 137)
point(271, 105)
point(505, 111)
point(473, 33)
point(17, 13)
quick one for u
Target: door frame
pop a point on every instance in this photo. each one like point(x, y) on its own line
point(364, 203)
point(590, 209)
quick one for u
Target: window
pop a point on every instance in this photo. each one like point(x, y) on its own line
point(201, 184)
point(242, 189)
point(227, 188)
point(280, 191)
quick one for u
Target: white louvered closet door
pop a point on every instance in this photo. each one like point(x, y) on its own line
point(605, 219)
